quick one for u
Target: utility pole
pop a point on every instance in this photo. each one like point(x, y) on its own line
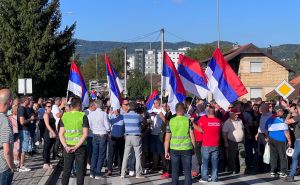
point(162, 31)
point(218, 22)
point(125, 71)
point(97, 67)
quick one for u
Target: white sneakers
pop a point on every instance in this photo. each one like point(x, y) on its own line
point(131, 173)
point(24, 169)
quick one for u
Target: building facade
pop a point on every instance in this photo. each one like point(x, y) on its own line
point(151, 62)
point(259, 71)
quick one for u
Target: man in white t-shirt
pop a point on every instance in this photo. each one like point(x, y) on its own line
point(57, 114)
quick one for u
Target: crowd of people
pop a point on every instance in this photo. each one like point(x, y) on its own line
point(200, 140)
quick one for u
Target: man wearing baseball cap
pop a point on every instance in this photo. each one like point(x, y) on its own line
point(278, 134)
point(233, 135)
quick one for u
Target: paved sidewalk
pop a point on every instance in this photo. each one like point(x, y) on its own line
point(37, 175)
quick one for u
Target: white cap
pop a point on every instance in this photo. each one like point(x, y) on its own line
point(289, 152)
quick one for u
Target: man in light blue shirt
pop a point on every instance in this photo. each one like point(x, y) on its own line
point(116, 140)
point(133, 123)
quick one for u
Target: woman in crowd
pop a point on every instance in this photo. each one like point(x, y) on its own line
point(49, 134)
point(14, 123)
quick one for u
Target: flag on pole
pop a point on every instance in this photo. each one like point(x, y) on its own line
point(192, 76)
point(222, 81)
point(77, 85)
point(114, 85)
point(172, 83)
point(150, 102)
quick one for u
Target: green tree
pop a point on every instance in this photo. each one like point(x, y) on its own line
point(116, 57)
point(204, 52)
point(33, 46)
point(137, 85)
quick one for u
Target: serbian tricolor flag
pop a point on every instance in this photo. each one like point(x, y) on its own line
point(77, 85)
point(154, 96)
point(192, 76)
point(222, 81)
point(114, 85)
point(172, 83)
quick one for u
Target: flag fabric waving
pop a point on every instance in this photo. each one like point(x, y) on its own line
point(223, 81)
point(172, 80)
point(114, 85)
point(77, 85)
point(150, 102)
point(192, 76)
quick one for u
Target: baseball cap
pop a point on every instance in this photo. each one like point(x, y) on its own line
point(234, 111)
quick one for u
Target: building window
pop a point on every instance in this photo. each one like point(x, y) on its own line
point(255, 93)
point(255, 67)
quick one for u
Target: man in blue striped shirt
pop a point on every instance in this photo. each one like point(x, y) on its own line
point(116, 140)
point(278, 134)
point(133, 123)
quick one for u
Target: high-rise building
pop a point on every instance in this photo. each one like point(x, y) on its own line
point(173, 54)
point(151, 62)
point(131, 62)
point(139, 60)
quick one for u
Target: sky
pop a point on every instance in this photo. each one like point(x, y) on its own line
point(262, 22)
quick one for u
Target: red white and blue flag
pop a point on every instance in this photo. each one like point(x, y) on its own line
point(150, 102)
point(192, 76)
point(114, 86)
point(77, 85)
point(223, 81)
point(172, 83)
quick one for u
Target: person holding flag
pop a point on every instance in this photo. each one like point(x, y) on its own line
point(156, 147)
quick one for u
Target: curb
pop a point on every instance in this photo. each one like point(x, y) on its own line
point(46, 179)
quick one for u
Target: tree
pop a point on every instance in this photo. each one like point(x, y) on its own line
point(204, 52)
point(116, 57)
point(137, 85)
point(32, 46)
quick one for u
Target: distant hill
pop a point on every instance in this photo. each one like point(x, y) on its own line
point(89, 48)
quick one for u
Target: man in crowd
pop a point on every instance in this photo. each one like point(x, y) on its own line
point(116, 140)
point(295, 120)
point(133, 123)
point(180, 139)
point(7, 166)
point(24, 122)
point(233, 135)
point(157, 148)
point(92, 108)
point(277, 133)
point(211, 129)
point(74, 128)
point(100, 127)
point(57, 113)
point(260, 136)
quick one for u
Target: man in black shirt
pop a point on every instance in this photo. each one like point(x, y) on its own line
point(24, 120)
point(295, 120)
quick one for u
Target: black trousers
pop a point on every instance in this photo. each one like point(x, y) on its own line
point(48, 143)
point(277, 153)
point(80, 157)
point(115, 149)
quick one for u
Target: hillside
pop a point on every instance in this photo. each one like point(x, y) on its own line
point(89, 48)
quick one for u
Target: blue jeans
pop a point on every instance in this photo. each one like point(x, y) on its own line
point(185, 158)
point(6, 177)
point(210, 154)
point(295, 158)
point(99, 154)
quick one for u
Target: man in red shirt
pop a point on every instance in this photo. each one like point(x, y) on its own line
point(211, 129)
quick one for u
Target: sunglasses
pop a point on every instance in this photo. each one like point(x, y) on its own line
point(126, 104)
point(49, 106)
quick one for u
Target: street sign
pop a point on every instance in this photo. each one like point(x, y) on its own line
point(284, 89)
point(25, 86)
